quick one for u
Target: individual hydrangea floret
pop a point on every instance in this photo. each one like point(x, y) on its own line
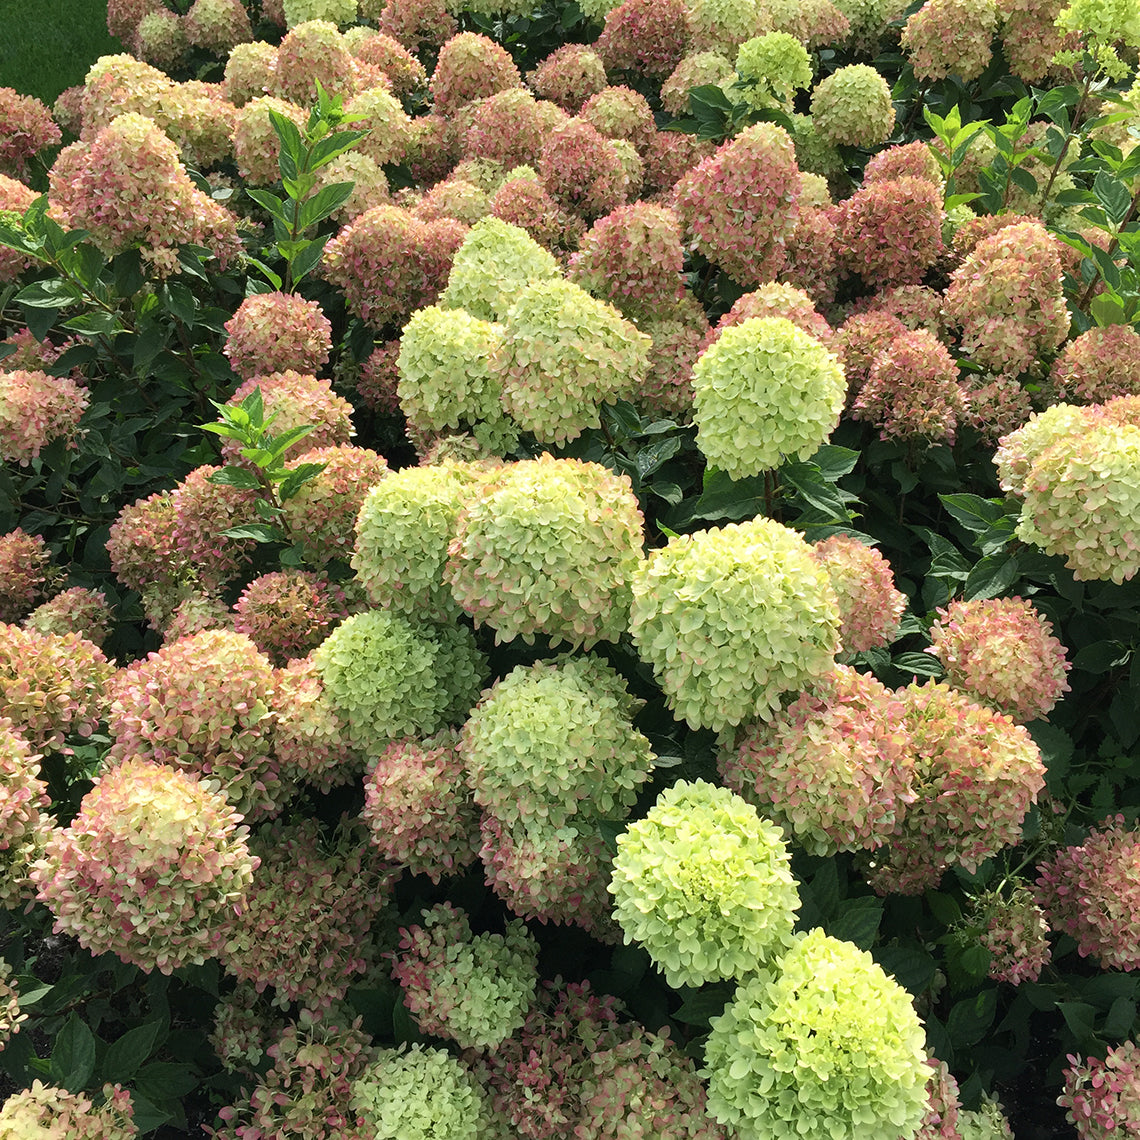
point(555, 740)
point(833, 768)
point(550, 546)
point(823, 1046)
point(1002, 652)
point(78, 610)
point(475, 989)
point(951, 37)
point(1103, 1096)
point(704, 885)
point(25, 573)
point(418, 806)
point(732, 618)
point(1090, 892)
point(870, 608)
point(1016, 934)
point(271, 332)
point(420, 1094)
point(852, 107)
point(35, 409)
point(738, 204)
point(562, 355)
point(149, 869)
point(648, 37)
point(773, 67)
point(49, 1112)
point(764, 392)
point(25, 822)
point(470, 66)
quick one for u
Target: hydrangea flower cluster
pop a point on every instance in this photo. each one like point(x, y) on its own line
point(1008, 300)
point(1098, 365)
point(51, 685)
point(288, 613)
point(10, 1015)
point(648, 37)
point(733, 618)
point(563, 354)
point(509, 128)
point(951, 37)
point(912, 391)
point(28, 128)
point(870, 608)
point(25, 825)
point(389, 56)
point(420, 1094)
point(160, 39)
point(255, 141)
point(852, 107)
point(202, 704)
point(765, 391)
point(569, 76)
point(470, 67)
point(582, 169)
point(25, 572)
point(473, 989)
point(418, 806)
point(943, 1105)
point(1016, 934)
point(822, 1045)
point(620, 113)
point(77, 610)
point(1030, 37)
point(35, 409)
point(1090, 892)
point(272, 332)
point(243, 1027)
point(311, 52)
point(52, 1112)
point(695, 70)
point(738, 204)
point(195, 612)
point(1018, 452)
point(304, 926)
point(550, 546)
point(217, 25)
point(704, 884)
point(667, 391)
point(774, 67)
point(554, 741)
point(309, 737)
point(297, 399)
point(1103, 1097)
point(524, 202)
point(833, 769)
point(975, 776)
point(903, 160)
point(774, 299)
point(1002, 652)
point(388, 126)
point(149, 869)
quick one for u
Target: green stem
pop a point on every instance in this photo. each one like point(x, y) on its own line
point(1070, 134)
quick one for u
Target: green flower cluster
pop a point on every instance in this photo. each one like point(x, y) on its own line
point(853, 107)
point(563, 355)
point(704, 884)
point(825, 1046)
point(549, 547)
point(774, 67)
point(733, 618)
point(765, 391)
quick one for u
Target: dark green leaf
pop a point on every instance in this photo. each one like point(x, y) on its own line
point(1057, 100)
point(1021, 178)
point(163, 1079)
point(1099, 657)
point(95, 323)
point(835, 462)
point(325, 202)
point(307, 259)
point(918, 664)
point(125, 1055)
point(292, 151)
point(237, 477)
point(970, 1018)
point(1056, 747)
point(1079, 1017)
point(270, 202)
point(259, 532)
point(1113, 195)
point(709, 96)
point(333, 145)
point(296, 478)
point(279, 444)
point(944, 907)
point(825, 889)
point(178, 300)
point(650, 458)
point(149, 1114)
point(700, 1006)
point(73, 1056)
point(1121, 1017)
point(670, 492)
point(609, 830)
point(54, 293)
point(914, 969)
point(991, 576)
point(857, 921)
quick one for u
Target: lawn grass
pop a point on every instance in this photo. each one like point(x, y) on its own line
point(48, 45)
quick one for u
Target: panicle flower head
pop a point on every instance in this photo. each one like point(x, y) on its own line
point(704, 884)
point(44, 1111)
point(389, 56)
point(150, 867)
point(917, 306)
point(833, 768)
point(370, 184)
point(141, 545)
point(906, 160)
point(334, 11)
point(473, 989)
point(550, 546)
point(1002, 652)
point(217, 25)
point(27, 128)
point(1090, 892)
point(668, 157)
point(890, 231)
point(1015, 933)
point(1098, 365)
point(25, 573)
point(51, 685)
point(852, 107)
point(287, 613)
point(297, 399)
point(35, 409)
point(696, 70)
point(322, 513)
point(418, 806)
point(249, 72)
point(25, 822)
point(975, 776)
point(814, 22)
point(553, 741)
point(912, 392)
point(388, 126)
point(811, 255)
point(420, 1093)
point(563, 353)
point(509, 128)
point(738, 204)
point(305, 923)
point(667, 390)
point(1030, 37)
point(416, 24)
point(823, 1045)
point(78, 610)
point(773, 67)
point(870, 608)
point(1103, 1097)
point(996, 406)
point(569, 76)
point(470, 66)
point(123, 16)
point(403, 531)
point(309, 737)
point(647, 37)
point(524, 202)
point(732, 618)
point(951, 37)
point(620, 113)
point(311, 52)
point(190, 611)
point(271, 332)
point(202, 511)
point(763, 392)
point(243, 1028)
point(1008, 300)
point(255, 141)
point(943, 1106)
point(582, 169)
point(160, 39)
point(723, 25)
point(1019, 450)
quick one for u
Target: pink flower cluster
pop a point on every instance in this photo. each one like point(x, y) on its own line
point(941, 1122)
point(569, 76)
point(1098, 365)
point(255, 141)
point(1002, 652)
point(1091, 892)
point(470, 67)
point(310, 738)
point(217, 25)
point(582, 170)
point(271, 332)
point(1016, 934)
point(288, 613)
point(620, 113)
point(52, 1112)
point(648, 37)
point(509, 128)
point(1103, 1097)
point(148, 869)
point(870, 608)
point(951, 37)
point(776, 300)
point(25, 571)
point(297, 399)
point(25, 824)
point(35, 409)
point(526, 203)
point(202, 511)
point(389, 56)
point(78, 610)
point(311, 52)
point(27, 127)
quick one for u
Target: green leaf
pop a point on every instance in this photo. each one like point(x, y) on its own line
point(259, 532)
point(1023, 179)
point(95, 323)
point(125, 1055)
point(1079, 1017)
point(73, 1056)
point(913, 969)
point(726, 498)
point(858, 921)
point(700, 1006)
point(1055, 103)
point(1113, 195)
point(1120, 1019)
point(279, 444)
point(971, 1018)
point(1099, 657)
point(296, 478)
point(944, 907)
point(650, 458)
point(149, 1115)
point(237, 477)
point(709, 96)
point(670, 492)
point(835, 462)
point(271, 203)
point(292, 153)
point(307, 259)
point(991, 576)
point(178, 300)
point(163, 1079)
point(332, 146)
point(54, 293)
point(325, 202)
point(918, 664)
point(274, 279)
